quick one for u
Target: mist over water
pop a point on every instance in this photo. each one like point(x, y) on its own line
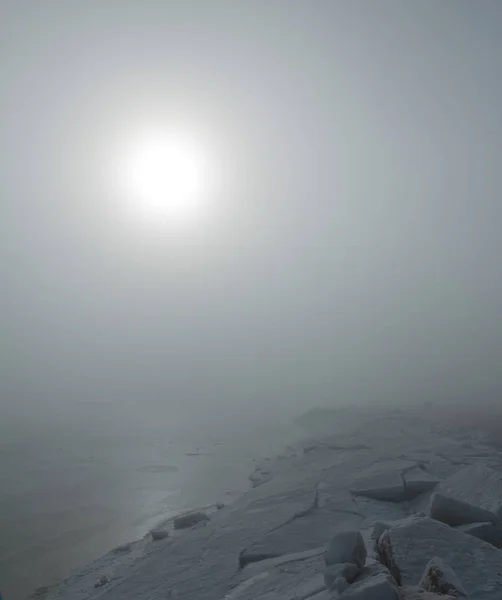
point(72, 493)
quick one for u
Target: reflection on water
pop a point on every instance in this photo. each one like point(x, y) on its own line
point(68, 497)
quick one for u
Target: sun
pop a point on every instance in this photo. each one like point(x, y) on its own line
point(165, 174)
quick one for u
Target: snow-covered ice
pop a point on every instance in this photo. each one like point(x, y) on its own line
point(408, 547)
point(476, 485)
point(362, 498)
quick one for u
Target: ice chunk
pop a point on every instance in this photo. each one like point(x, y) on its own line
point(379, 586)
point(407, 548)
point(418, 481)
point(440, 579)
point(384, 486)
point(489, 532)
point(478, 486)
point(103, 580)
point(346, 571)
point(189, 520)
point(452, 511)
point(159, 534)
point(346, 547)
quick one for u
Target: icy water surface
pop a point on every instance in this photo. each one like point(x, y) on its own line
point(69, 495)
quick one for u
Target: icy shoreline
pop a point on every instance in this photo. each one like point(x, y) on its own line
point(405, 483)
point(68, 500)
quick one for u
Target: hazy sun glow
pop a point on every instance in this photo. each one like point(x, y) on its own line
point(164, 175)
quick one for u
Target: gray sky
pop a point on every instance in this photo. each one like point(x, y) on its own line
point(351, 251)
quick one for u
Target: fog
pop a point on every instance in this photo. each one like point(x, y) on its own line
point(350, 252)
point(346, 252)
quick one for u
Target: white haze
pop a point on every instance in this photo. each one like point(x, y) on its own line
point(351, 251)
